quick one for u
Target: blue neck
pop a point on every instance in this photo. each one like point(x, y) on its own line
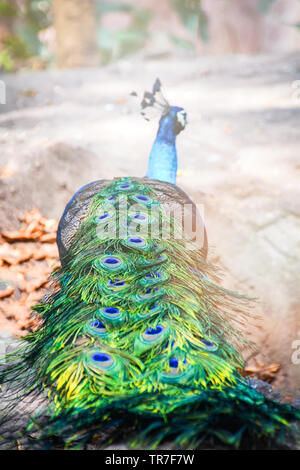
point(162, 163)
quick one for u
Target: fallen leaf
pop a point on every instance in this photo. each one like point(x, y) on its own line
point(256, 367)
point(7, 292)
point(12, 256)
point(21, 235)
point(27, 258)
point(45, 251)
point(48, 238)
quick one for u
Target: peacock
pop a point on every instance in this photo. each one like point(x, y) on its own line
point(138, 341)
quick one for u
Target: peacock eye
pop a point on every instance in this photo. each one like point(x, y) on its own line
point(117, 283)
point(112, 314)
point(111, 310)
point(97, 324)
point(104, 216)
point(140, 217)
point(152, 334)
point(173, 363)
point(102, 360)
point(96, 327)
point(208, 345)
point(101, 357)
point(110, 263)
point(155, 275)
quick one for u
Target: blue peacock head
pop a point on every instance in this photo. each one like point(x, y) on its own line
point(172, 117)
point(177, 117)
point(162, 163)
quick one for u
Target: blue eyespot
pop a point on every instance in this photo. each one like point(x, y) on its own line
point(112, 314)
point(102, 361)
point(142, 198)
point(116, 283)
point(97, 324)
point(139, 217)
point(103, 216)
point(144, 295)
point(152, 335)
point(111, 198)
point(101, 357)
point(207, 343)
point(96, 327)
point(111, 310)
point(154, 331)
point(136, 240)
point(111, 261)
point(173, 362)
point(155, 275)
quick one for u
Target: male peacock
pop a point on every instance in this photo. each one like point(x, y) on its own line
point(136, 336)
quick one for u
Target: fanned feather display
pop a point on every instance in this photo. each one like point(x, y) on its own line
point(138, 342)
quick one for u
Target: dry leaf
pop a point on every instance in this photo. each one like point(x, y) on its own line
point(48, 238)
point(27, 258)
point(12, 256)
point(7, 292)
point(256, 367)
point(34, 227)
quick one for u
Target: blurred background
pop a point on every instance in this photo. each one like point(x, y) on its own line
point(37, 34)
point(67, 69)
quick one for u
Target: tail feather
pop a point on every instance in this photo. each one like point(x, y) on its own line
point(137, 334)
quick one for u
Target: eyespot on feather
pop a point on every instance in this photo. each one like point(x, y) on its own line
point(143, 200)
point(110, 263)
point(96, 327)
point(114, 285)
point(154, 278)
point(208, 345)
point(112, 314)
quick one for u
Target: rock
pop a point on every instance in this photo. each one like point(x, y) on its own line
point(265, 389)
point(296, 402)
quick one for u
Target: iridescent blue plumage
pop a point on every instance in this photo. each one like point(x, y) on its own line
point(162, 163)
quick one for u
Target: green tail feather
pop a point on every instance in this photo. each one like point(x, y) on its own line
point(138, 335)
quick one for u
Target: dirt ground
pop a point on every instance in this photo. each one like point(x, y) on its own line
point(238, 159)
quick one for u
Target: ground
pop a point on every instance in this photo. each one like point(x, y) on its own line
point(238, 159)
